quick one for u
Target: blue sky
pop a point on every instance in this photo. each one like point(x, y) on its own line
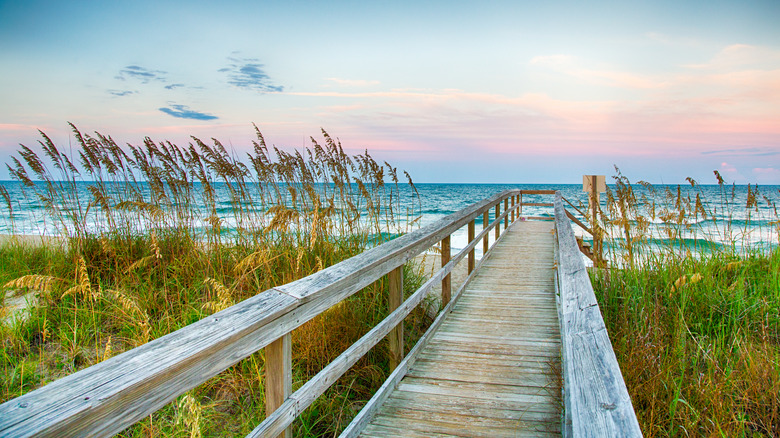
point(450, 91)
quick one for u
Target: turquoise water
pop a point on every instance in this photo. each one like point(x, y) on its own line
point(756, 226)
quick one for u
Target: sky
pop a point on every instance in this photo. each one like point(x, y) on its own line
point(451, 91)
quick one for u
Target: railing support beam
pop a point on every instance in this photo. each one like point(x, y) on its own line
point(506, 208)
point(396, 336)
point(472, 258)
point(278, 376)
point(498, 225)
point(446, 284)
point(485, 240)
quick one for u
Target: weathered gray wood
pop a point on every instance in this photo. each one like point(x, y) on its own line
point(539, 204)
point(506, 208)
point(485, 220)
point(364, 417)
point(578, 222)
point(498, 213)
point(537, 192)
point(106, 398)
point(484, 360)
point(278, 376)
point(446, 283)
point(396, 336)
point(596, 399)
point(472, 258)
point(303, 397)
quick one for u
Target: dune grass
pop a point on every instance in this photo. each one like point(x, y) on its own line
point(696, 330)
point(161, 236)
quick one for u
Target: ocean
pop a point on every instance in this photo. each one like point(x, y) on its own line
point(727, 221)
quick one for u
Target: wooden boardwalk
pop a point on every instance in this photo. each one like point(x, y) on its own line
point(489, 365)
point(493, 367)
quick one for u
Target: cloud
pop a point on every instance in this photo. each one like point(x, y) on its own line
point(249, 74)
point(120, 93)
point(573, 66)
point(740, 56)
point(184, 112)
point(358, 83)
point(766, 175)
point(744, 150)
point(173, 86)
point(144, 75)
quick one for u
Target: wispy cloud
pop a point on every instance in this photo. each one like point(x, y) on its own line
point(120, 93)
point(740, 56)
point(184, 112)
point(248, 73)
point(752, 151)
point(574, 67)
point(142, 74)
point(173, 86)
point(357, 83)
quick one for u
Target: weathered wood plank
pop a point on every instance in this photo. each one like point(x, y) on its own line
point(369, 410)
point(483, 391)
point(278, 376)
point(476, 406)
point(505, 376)
point(446, 283)
point(537, 192)
point(531, 349)
point(494, 347)
point(461, 423)
point(396, 336)
point(596, 398)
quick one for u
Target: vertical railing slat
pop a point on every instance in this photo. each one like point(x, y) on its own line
point(396, 337)
point(278, 376)
point(446, 284)
point(472, 259)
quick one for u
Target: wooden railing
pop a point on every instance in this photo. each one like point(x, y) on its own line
point(106, 398)
point(596, 401)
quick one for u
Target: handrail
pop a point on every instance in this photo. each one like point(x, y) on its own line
point(106, 398)
point(596, 401)
point(312, 389)
point(575, 207)
point(371, 407)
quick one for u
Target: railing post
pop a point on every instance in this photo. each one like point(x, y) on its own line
point(472, 259)
point(446, 284)
point(278, 376)
point(396, 336)
point(520, 209)
point(485, 243)
point(498, 224)
point(506, 208)
point(513, 209)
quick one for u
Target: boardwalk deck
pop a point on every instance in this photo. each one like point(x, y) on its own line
point(493, 367)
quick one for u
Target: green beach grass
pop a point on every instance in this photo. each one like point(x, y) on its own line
point(149, 250)
point(115, 285)
point(696, 330)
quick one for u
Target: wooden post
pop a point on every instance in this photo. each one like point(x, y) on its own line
point(472, 259)
point(278, 376)
point(485, 243)
point(396, 336)
point(594, 202)
point(512, 204)
point(520, 210)
point(498, 224)
point(594, 184)
point(506, 208)
point(446, 284)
